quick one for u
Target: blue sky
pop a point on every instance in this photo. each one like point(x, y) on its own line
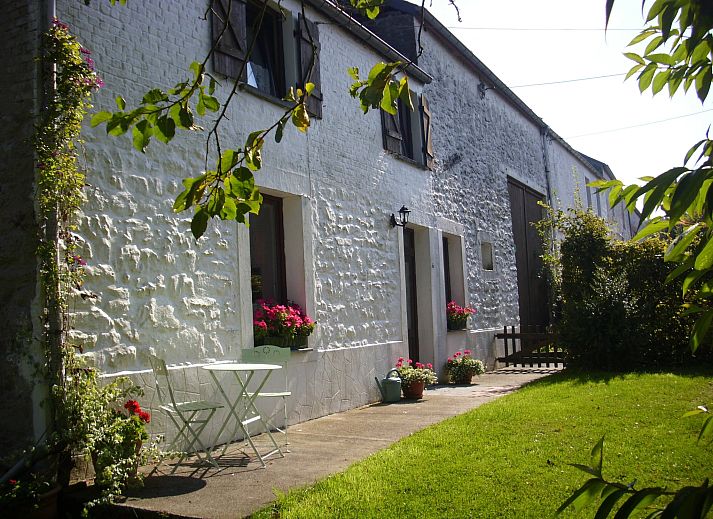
point(574, 46)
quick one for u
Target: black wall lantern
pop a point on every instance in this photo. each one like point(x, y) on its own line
point(403, 216)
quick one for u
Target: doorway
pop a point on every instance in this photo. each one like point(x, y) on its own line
point(531, 283)
point(411, 298)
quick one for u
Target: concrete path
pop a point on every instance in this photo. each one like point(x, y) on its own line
point(317, 449)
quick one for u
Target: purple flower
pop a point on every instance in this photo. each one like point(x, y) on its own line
point(84, 51)
point(90, 63)
point(59, 25)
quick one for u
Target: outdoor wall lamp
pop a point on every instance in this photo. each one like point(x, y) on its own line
point(482, 88)
point(403, 217)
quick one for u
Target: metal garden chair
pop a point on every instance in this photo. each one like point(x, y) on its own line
point(272, 355)
point(190, 418)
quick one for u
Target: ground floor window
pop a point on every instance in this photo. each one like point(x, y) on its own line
point(267, 252)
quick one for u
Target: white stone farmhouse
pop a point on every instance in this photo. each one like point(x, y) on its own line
point(470, 164)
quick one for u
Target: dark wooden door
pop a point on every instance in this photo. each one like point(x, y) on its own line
point(411, 301)
point(531, 283)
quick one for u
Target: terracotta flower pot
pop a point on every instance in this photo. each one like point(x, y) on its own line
point(414, 390)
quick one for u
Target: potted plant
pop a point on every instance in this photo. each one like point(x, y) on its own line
point(32, 496)
point(414, 377)
point(117, 447)
point(287, 326)
point(457, 316)
point(461, 367)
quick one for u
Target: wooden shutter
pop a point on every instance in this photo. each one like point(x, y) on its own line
point(308, 33)
point(426, 132)
point(391, 130)
point(229, 54)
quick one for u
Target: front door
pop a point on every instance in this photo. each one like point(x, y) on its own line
point(411, 302)
point(531, 283)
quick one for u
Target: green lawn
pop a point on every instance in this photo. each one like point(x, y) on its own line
point(509, 458)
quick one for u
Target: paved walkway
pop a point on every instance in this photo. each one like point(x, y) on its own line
point(317, 448)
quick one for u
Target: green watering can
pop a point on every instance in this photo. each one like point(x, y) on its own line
point(390, 387)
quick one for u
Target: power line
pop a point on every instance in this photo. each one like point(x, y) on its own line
point(638, 125)
point(544, 29)
point(569, 80)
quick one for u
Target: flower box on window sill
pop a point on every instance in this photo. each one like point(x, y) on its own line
point(294, 343)
point(457, 327)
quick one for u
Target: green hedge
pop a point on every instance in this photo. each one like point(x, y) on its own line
point(615, 309)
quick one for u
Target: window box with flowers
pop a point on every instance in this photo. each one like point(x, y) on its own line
point(287, 326)
point(414, 377)
point(461, 367)
point(457, 316)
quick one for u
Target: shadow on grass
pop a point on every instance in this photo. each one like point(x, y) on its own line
point(583, 376)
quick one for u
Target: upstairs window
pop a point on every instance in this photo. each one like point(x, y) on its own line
point(282, 55)
point(408, 133)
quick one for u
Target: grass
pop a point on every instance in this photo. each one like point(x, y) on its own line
point(510, 458)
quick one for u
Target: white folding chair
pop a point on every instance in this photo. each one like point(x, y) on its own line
point(190, 418)
point(272, 355)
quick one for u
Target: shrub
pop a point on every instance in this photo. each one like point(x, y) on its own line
point(616, 310)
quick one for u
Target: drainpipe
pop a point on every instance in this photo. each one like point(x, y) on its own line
point(546, 158)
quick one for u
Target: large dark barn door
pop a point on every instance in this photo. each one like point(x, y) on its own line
point(531, 284)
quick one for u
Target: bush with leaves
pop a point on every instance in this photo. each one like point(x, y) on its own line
point(615, 310)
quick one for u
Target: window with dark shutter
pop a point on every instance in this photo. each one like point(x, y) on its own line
point(228, 22)
point(309, 63)
point(426, 132)
point(391, 129)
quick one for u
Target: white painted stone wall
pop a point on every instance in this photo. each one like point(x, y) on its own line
point(161, 292)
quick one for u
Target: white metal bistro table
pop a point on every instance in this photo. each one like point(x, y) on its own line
point(241, 407)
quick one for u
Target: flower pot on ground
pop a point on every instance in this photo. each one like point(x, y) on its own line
point(461, 367)
point(287, 326)
point(414, 377)
point(414, 390)
point(32, 497)
point(457, 316)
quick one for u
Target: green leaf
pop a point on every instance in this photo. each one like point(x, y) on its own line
point(680, 244)
point(120, 102)
point(165, 129)
point(700, 329)
point(639, 500)
point(229, 210)
point(659, 185)
point(228, 160)
point(704, 260)
point(154, 96)
point(353, 73)
point(389, 99)
point(651, 227)
point(211, 103)
point(693, 150)
point(654, 44)
point(100, 117)
point(199, 223)
point(117, 125)
point(585, 495)
point(300, 117)
point(633, 70)
point(280, 129)
point(703, 83)
point(635, 57)
point(647, 76)
point(142, 133)
point(663, 59)
point(597, 456)
point(608, 504)
point(660, 81)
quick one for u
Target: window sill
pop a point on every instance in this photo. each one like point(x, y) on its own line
point(270, 98)
point(408, 160)
point(267, 97)
point(302, 350)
